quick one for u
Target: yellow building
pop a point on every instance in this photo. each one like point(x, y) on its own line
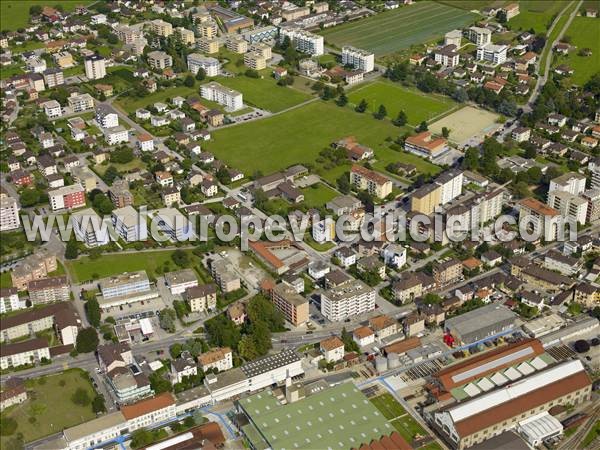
point(255, 61)
point(237, 44)
point(208, 46)
point(372, 182)
point(263, 49)
point(426, 198)
point(161, 27)
point(186, 36)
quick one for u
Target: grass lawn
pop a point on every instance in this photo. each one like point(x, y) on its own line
point(112, 264)
point(536, 14)
point(264, 92)
point(416, 105)
point(400, 28)
point(388, 406)
point(49, 408)
point(554, 34)
point(320, 247)
point(295, 137)
point(130, 104)
point(5, 280)
point(135, 164)
point(584, 32)
point(26, 46)
point(317, 195)
point(233, 64)
point(473, 4)
point(9, 71)
point(15, 14)
point(385, 156)
point(331, 175)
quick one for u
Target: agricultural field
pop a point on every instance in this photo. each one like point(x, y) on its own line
point(584, 32)
point(416, 105)
point(49, 407)
point(536, 14)
point(400, 28)
point(470, 5)
point(264, 93)
point(295, 137)
point(15, 14)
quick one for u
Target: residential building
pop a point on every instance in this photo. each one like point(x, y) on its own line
point(304, 41)
point(173, 224)
point(185, 36)
point(371, 181)
point(264, 50)
point(28, 352)
point(237, 44)
point(126, 284)
point(48, 290)
point(571, 182)
point(13, 393)
point(201, 298)
point(225, 277)
point(359, 59)
point(324, 230)
point(521, 134)
point(426, 198)
point(447, 56)
point(9, 214)
point(53, 77)
point(292, 305)
point(159, 60)
point(9, 300)
point(179, 281)
point(171, 195)
point(255, 61)
point(67, 197)
point(95, 67)
point(80, 102)
point(116, 135)
point(52, 109)
point(480, 36)
point(219, 359)
point(196, 61)
point(511, 10)
point(423, 144)
point(161, 28)
point(363, 336)
point(495, 54)
point(570, 206)
point(216, 92)
point(127, 34)
point(332, 349)
point(447, 272)
point(120, 195)
point(184, 366)
point(541, 219)
point(87, 225)
point(346, 300)
point(208, 45)
point(33, 267)
point(383, 326)
point(106, 117)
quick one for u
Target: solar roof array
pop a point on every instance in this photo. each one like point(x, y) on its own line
point(337, 418)
point(269, 363)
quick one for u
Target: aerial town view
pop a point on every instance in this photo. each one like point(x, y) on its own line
point(300, 224)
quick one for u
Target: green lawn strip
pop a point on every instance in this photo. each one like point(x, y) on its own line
point(295, 137)
point(86, 268)
point(49, 404)
point(127, 167)
point(584, 32)
point(320, 247)
point(318, 195)
point(400, 28)
point(554, 34)
point(408, 428)
point(388, 406)
point(385, 156)
point(9, 71)
point(331, 174)
point(591, 436)
point(395, 98)
point(264, 92)
point(5, 280)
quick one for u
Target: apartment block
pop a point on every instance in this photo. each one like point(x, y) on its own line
point(201, 298)
point(480, 36)
point(219, 358)
point(208, 45)
point(185, 36)
point(223, 95)
point(159, 60)
point(571, 182)
point(33, 267)
point(370, 181)
point(292, 305)
point(127, 224)
point(425, 145)
point(569, 205)
point(9, 300)
point(495, 54)
point(347, 300)
point(304, 41)
point(9, 214)
point(236, 44)
point(161, 28)
point(359, 59)
point(127, 34)
point(80, 102)
point(67, 197)
point(95, 67)
point(196, 61)
point(255, 61)
point(542, 219)
point(48, 290)
point(125, 284)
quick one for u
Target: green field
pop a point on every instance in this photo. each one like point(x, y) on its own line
point(399, 28)
point(295, 137)
point(87, 268)
point(15, 14)
point(536, 14)
point(585, 33)
point(264, 93)
point(560, 23)
point(317, 195)
point(406, 425)
point(416, 105)
point(474, 4)
point(130, 104)
point(385, 156)
point(49, 408)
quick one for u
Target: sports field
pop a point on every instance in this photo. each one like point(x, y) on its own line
point(536, 14)
point(467, 124)
point(399, 28)
point(295, 136)
point(264, 92)
point(585, 33)
point(416, 105)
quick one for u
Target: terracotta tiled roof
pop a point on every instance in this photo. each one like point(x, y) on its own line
point(147, 406)
point(331, 343)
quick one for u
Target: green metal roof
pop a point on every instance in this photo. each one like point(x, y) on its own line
point(337, 418)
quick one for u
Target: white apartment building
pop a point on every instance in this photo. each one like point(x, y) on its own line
point(569, 205)
point(87, 225)
point(162, 28)
point(127, 34)
point(9, 214)
point(36, 64)
point(52, 109)
point(304, 41)
point(357, 58)
point(216, 92)
point(451, 183)
point(346, 300)
point(26, 352)
point(324, 230)
point(116, 135)
point(95, 67)
point(53, 77)
point(9, 300)
point(173, 224)
point(98, 19)
point(126, 223)
point(80, 102)
point(447, 56)
point(159, 60)
point(220, 359)
point(180, 280)
point(480, 36)
point(196, 61)
point(542, 219)
point(571, 182)
point(496, 54)
point(106, 116)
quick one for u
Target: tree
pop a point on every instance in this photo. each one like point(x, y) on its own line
point(422, 127)
point(362, 106)
point(87, 340)
point(350, 344)
point(141, 438)
point(343, 183)
point(445, 132)
point(222, 331)
point(251, 73)
point(167, 320)
point(159, 384)
point(72, 249)
point(175, 350)
point(35, 10)
point(471, 159)
point(581, 346)
point(261, 309)
point(102, 203)
point(342, 99)
point(400, 119)
point(201, 74)
point(81, 397)
point(460, 95)
point(92, 311)
point(29, 197)
point(98, 404)
point(189, 81)
point(180, 258)
point(381, 113)
point(247, 349)
point(530, 151)
point(111, 174)
point(112, 39)
point(122, 155)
